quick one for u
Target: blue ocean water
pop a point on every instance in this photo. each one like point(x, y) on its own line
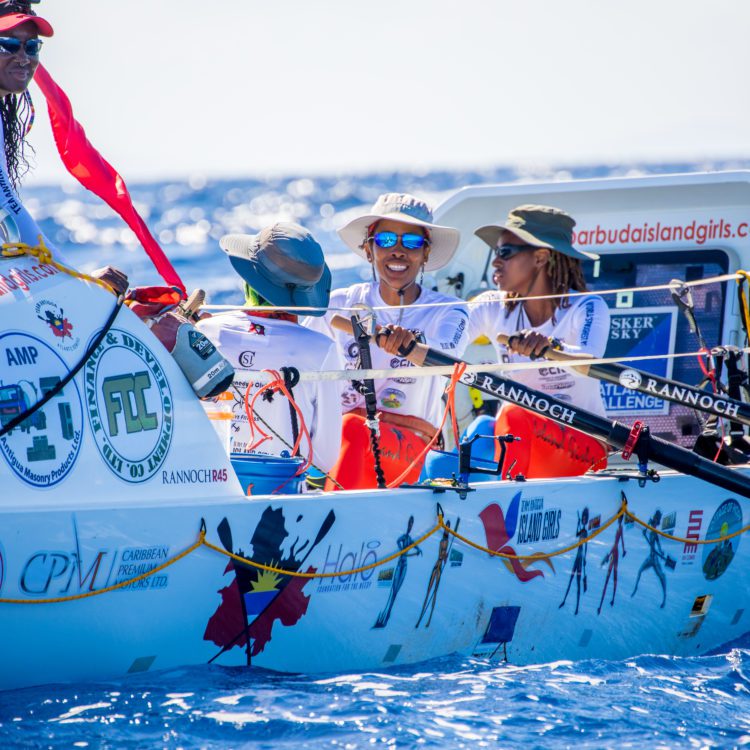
point(648, 701)
point(454, 702)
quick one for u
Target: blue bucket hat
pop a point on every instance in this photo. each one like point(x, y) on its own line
point(284, 264)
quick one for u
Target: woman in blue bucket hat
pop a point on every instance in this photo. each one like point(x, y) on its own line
point(534, 257)
point(400, 241)
point(282, 267)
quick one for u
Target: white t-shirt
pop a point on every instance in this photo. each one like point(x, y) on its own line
point(253, 343)
point(16, 223)
point(442, 328)
point(583, 328)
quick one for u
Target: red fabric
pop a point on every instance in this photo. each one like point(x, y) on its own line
point(546, 449)
point(355, 469)
point(90, 168)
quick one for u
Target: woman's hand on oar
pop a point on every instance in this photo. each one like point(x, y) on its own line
point(549, 350)
point(392, 339)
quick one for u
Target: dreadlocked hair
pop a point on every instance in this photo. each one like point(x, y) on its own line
point(565, 273)
point(17, 115)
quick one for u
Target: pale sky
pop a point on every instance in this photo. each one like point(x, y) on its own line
point(172, 88)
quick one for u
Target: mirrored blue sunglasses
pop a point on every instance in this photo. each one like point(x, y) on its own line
point(9, 45)
point(409, 240)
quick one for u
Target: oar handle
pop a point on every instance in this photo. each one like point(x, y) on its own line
point(549, 353)
point(416, 356)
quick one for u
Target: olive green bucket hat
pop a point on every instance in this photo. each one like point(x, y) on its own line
point(539, 226)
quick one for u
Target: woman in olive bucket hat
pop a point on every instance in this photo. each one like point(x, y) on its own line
point(534, 256)
point(400, 240)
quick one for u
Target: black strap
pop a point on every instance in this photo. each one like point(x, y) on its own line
point(367, 389)
point(291, 378)
point(65, 380)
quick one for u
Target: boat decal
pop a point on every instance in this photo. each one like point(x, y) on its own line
point(537, 523)
point(83, 568)
point(695, 522)
point(130, 406)
point(499, 632)
point(612, 561)
point(53, 316)
point(399, 573)
point(499, 529)
point(717, 557)
point(337, 559)
point(195, 476)
point(655, 557)
point(436, 575)
point(44, 448)
point(256, 599)
point(635, 332)
point(578, 571)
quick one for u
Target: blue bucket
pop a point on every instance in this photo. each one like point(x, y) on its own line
point(263, 475)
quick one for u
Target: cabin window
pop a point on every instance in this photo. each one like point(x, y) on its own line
point(648, 323)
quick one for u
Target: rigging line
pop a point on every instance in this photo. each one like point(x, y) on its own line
point(595, 292)
point(426, 372)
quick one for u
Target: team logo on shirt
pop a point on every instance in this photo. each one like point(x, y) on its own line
point(246, 359)
point(392, 398)
point(396, 362)
point(257, 328)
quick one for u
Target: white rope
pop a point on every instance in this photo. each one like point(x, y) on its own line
point(598, 292)
point(447, 370)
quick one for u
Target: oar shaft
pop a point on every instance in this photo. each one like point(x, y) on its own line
point(656, 386)
point(612, 432)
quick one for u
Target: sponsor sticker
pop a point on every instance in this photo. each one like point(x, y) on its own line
point(717, 557)
point(44, 447)
point(130, 406)
point(630, 379)
point(53, 316)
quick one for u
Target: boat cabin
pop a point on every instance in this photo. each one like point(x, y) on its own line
point(647, 232)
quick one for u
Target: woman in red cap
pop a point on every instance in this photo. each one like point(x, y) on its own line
point(20, 29)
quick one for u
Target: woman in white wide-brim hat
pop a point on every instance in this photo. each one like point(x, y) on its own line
point(400, 241)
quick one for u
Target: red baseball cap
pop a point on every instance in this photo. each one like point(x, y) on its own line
point(16, 19)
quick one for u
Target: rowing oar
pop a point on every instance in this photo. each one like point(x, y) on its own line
point(616, 434)
point(652, 385)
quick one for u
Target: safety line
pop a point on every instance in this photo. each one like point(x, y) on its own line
point(597, 292)
point(430, 371)
point(440, 525)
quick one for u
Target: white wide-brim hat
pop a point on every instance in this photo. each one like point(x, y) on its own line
point(409, 210)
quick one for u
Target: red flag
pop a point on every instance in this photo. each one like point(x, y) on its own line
point(96, 174)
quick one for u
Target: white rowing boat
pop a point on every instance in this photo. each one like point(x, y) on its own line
point(119, 474)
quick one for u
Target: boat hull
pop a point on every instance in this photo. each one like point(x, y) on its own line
point(440, 597)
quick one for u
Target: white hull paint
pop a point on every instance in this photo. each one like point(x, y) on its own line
point(327, 625)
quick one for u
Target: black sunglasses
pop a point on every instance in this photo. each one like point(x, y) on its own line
point(9, 45)
point(505, 251)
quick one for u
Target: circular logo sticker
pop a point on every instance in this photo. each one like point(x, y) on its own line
point(630, 379)
point(716, 557)
point(129, 406)
point(42, 449)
